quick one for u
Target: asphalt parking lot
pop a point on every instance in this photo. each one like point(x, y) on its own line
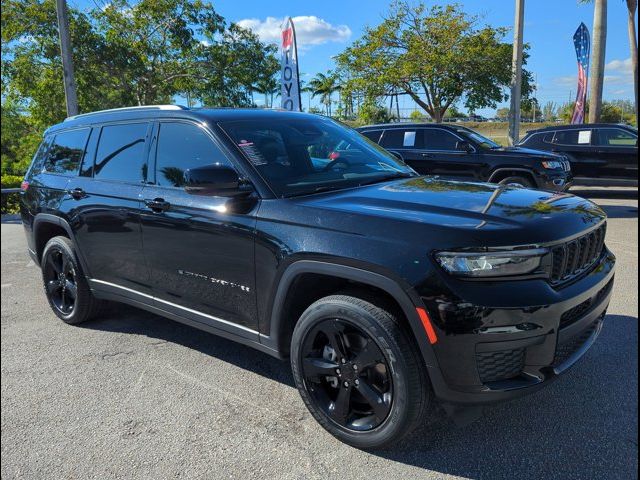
point(134, 395)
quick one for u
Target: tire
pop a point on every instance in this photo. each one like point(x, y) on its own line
point(518, 181)
point(401, 387)
point(65, 285)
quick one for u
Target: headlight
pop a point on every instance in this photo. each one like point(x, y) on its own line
point(491, 264)
point(552, 164)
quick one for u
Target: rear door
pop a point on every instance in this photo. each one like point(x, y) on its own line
point(408, 144)
point(200, 249)
point(577, 144)
point(619, 149)
point(105, 205)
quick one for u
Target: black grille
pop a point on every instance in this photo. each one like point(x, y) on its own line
point(573, 258)
point(565, 350)
point(494, 366)
point(579, 311)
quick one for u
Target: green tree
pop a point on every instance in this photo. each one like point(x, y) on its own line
point(437, 56)
point(324, 86)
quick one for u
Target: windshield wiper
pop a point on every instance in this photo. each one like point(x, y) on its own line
point(387, 178)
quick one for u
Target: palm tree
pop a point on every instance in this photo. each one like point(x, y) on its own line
point(268, 86)
point(632, 6)
point(598, 47)
point(324, 86)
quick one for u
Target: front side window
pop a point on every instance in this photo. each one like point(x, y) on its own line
point(616, 137)
point(182, 146)
point(66, 151)
point(479, 139)
point(299, 156)
point(120, 154)
point(439, 139)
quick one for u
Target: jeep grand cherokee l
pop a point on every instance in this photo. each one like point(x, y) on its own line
point(454, 152)
point(388, 291)
point(600, 153)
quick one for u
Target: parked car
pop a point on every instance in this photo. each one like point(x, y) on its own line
point(600, 154)
point(459, 153)
point(389, 292)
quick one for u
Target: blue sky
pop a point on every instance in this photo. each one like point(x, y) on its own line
point(326, 27)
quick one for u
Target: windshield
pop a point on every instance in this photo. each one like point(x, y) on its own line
point(298, 156)
point(481, 140)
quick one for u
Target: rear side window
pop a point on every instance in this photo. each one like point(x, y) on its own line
point(438, 139)
point(182, 146)
point(66, 152)
point(401, 138)
point(120, 153)
point(613, 137)
point(572, 137)
point(373, 135)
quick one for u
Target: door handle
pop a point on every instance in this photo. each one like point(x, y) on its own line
point(158, 205)
point(77, 193)
point(427, 155)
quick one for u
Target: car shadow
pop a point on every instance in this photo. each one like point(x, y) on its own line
point(121, 318)
point(620, 211)
point(582, 426)
point(584, 422)
point(605, 193)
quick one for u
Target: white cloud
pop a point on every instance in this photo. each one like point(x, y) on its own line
point(622, 67)
point(310, 30)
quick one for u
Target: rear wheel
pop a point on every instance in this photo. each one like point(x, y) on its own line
point(517, 181)
point(65, 285)
point(357, 372)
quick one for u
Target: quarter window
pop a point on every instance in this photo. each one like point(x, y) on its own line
point(182, 146)
point(120, 154)
point(66, 151)
point(373, 135)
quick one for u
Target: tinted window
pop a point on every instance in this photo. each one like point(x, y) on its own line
point(302, 155)
point(401, 138)
point(37, 164)
point(572, 137)
point(438, 139)
point(373, 135)
point(616, 137)
point(66, 151)
point(180, 147)
point(120, 154)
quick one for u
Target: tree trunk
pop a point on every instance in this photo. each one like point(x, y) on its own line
point(632, 5)
point(516, 75)
point(598, 48)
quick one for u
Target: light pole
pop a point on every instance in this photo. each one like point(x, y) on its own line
point(67, 61)
point(516, 75)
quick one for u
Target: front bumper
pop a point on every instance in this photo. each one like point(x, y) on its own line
point(556, 182)
point(491, 354)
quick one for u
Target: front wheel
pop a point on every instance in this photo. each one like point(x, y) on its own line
point(517, 181)
point(357, 372)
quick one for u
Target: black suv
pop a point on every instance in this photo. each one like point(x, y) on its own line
point(388, 291)
point(459, 153)
point(600, 153)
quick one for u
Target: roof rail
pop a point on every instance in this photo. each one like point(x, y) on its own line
point(136, 108)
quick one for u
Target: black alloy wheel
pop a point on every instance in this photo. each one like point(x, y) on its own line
point(347, 375)
point(60, 280)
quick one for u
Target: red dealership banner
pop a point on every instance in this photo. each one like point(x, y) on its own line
point(289, 75)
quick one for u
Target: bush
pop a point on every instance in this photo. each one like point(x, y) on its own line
point(10, 202)
point(370, 112)
point(417, 116)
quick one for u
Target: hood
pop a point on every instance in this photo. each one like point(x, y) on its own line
point(522, 215)
point(524, 152)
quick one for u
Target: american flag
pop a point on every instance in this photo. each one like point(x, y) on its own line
point(582, 43)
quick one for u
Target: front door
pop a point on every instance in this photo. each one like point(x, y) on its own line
point(199, 249)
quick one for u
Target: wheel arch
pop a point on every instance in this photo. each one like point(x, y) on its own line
point(47, 226)
point(504, 172)
point(281, 325)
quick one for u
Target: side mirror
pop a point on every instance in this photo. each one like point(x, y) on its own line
point(464, 146)
point(215, 180)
